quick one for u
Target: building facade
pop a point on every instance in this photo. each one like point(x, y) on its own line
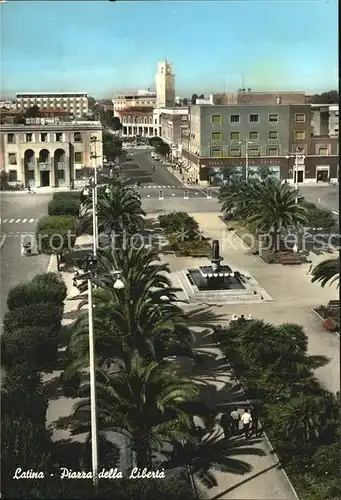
point(165, 85)
point(173, 122)
point(220, 137)
point(144, 121)
point(75, 103)
point(247, 96)
point(49, 155)
point(139, 99)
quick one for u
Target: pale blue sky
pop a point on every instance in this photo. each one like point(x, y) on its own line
point(101, 47)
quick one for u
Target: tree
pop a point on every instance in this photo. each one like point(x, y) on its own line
point(144, 404)
point(306, 419)
point(180, 224)
point(118, 208)
point(155, 141)
point(116, 123)
point(112, 146)
point(194, 98)
point(4, 185)
point(43, 314)
point(56, 235)
point(201, 96)
point(330, 97)
point(327, 271)
point(267, 207)
point(33, 112)
point(67, 203)
point(162, 149)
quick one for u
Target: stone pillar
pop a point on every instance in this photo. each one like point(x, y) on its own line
point(68, 171)
point(53, 173)
point(37, 174)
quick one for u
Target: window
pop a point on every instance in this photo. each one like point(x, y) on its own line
point(254, 118)
point(299, 117)
point(59, 137)
point(254, 151)
point(77, 136)
point(273, 118)
point(43, 137)
point(61, 175)
point(79, 174)
point(216, 136)
point(12, 158)
point(299, 135)
point(235, 118)
point(234, 151)
point(235, 136)
point(78, 157)
point(12, 176)
point(254, 135)
point(273, 151)
point(10, 138)
point(184, 118)
point(273, 134)
point(216, 153)
point(323, 150)
point(28, 137)
point(217, 119)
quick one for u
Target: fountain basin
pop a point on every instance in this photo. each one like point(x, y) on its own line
point(205, 279)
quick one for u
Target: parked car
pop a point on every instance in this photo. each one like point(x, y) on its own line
point(157, 157)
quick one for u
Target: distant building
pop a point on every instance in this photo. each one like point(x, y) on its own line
point(247, 96)
point(325, 119)
point(165, 85)
point(137, 121)
point(75, 103)
point(173, 121)
point(50, 154)
point(139, 98)
point(7, 104)
point(219, 137)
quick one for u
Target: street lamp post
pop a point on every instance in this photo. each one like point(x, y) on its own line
point(90, 272)
point(94, 156)
point(297, 154)
point(246, 142)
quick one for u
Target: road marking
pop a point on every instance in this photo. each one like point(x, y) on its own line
point(335, 212)
point(31, 220)
point(24, 220)
point(11, 220)
point(2, 241)
point(18, 220)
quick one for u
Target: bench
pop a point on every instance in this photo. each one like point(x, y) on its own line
point(333, 305)
point(290, 261)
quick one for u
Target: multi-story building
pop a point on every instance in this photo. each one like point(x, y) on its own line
point(173, 122)
point(220, 137)
point(325, 119)
point(49, 155)
point(137, 121)
point(75, 103)
point(247, 96)
point(165, 85)
point(127, 100)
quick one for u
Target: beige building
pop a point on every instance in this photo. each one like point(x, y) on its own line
point(127, 100)
point(76, 103)
point(173, 122)
point(165, 85)
point(49, 155)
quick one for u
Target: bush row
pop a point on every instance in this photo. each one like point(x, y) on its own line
point(33, 322)
point(65, 203)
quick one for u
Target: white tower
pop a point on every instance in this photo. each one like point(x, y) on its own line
point(165, 85)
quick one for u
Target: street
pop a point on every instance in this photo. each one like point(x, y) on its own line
point(326, 197)
point(19, 214)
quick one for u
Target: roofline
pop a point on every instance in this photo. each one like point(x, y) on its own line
point(49, 93)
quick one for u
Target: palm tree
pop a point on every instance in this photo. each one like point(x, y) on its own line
point(145, 404)
point(141, 316)
point(327, 271)
point(307, 418)
point(272, 207)
point(118, 208)
point(210, 453)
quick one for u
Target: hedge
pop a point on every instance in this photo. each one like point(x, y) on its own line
point(36, 346)
point(56, 233)
point(180, 223)
point(35, 315)
point(33, 292)
point(63, 207)
point(52, 280)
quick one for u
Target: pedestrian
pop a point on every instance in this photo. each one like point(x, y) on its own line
point(310, 267)
point(234, 317)
point(255, 421)
point(235, 420)
point(246, 421)
point(225, 422)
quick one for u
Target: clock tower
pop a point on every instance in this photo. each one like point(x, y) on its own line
point(165, 85)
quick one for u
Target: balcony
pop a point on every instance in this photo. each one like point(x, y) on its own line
point(45, 165)
point(220, 142)
point(273, 142)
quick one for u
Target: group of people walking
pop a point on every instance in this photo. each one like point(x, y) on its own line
point(230, 423)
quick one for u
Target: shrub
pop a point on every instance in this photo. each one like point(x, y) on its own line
point(63, 207)
point(181, 224)
point(35, 315)
point(37, 347)
point(34, 292)
point(56, 233)
point(53, 280)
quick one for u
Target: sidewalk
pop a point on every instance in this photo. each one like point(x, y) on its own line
point(266, 480)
